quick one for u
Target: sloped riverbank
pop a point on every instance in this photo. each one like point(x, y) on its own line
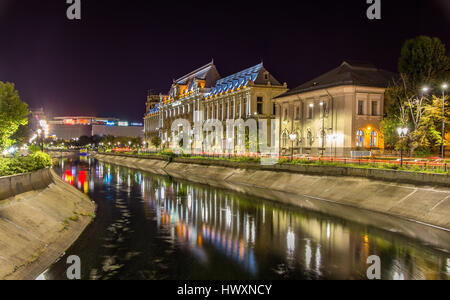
point(40, 218)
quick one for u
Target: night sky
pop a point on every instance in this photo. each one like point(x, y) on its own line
point(104, 64)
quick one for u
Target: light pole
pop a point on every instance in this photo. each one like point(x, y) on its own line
point(293, 138)
point(444, 89)
point(402, 132)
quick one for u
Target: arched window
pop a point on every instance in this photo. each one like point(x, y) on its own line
point(373, 139)
point(360, 138)
point(310, 138)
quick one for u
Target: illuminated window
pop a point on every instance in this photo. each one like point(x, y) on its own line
point(310, 111)
point(360, 138)
point(374, 139)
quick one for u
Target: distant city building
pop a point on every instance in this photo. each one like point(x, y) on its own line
point(335, 113)
point(74, 127)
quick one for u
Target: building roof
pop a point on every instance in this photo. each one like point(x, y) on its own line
point(208, 73)
point(348, 73)
point(257, 74)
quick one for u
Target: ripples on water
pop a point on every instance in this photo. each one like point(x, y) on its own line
point(151, 227)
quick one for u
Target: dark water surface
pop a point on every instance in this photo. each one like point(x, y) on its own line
point(152, 227)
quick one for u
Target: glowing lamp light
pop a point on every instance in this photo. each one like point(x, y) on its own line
point(445, 86)
point(402, 131)
point(293, 137)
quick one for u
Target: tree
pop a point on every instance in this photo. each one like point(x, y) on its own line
point(423, 61)
point(22, 135)
point(13, 113)
point(156, 141)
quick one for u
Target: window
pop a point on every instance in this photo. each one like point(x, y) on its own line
point(374, 139)
point(285, 114)
point(360, 107)
point(274, 109)
point(310, 111)
point(297, 113)
point(310, 138)
point(324, 109)
point(375, 108)
point(360, 138)
point(260, 102)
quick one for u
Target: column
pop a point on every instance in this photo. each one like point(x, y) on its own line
point(234, 108)
point(240, 107)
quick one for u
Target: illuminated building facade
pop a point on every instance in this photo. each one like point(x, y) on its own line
point(152, 120)
point(245, 95)
point(335, 113)
point(186, 97)
point(202, 95)
point(68, 128)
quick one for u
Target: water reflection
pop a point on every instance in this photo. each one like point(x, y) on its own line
point(156, 227)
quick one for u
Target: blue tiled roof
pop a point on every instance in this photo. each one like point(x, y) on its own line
point(154, 110)
point(236, 80)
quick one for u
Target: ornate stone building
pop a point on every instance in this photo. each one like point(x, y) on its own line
point(152, 120)
point(202, 95)
point(335, 113)
point(244, 95)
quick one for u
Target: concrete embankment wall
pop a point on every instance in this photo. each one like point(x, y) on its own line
point(354, 198)
point(40, 218)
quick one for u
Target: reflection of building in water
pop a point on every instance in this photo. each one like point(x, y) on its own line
point(261, 236)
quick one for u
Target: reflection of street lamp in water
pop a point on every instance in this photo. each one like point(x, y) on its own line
point(402, 132)
point(293, 138)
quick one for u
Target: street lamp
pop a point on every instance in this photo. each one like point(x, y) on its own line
point(322, 105)
point(293, 138)
point(402, 132)
point(444, 89)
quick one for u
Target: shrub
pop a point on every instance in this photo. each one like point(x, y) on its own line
point(24, 164)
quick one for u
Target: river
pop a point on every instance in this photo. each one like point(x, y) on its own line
point(153, 227)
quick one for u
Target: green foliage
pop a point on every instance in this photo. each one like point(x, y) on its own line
point(22, 135)
point(110, 141)
point(34, 148)
point(156, 141)
point(13, 113)
point(389, 127)
point(170, 154)
point(24, 164)
point(423, 61)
